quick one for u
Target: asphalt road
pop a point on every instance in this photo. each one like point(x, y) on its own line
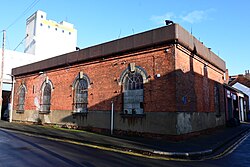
point(19, 150)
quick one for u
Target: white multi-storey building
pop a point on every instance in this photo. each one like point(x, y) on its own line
point(44, 39)
point(47, 38)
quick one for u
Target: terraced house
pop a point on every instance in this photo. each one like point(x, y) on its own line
point(162, 82)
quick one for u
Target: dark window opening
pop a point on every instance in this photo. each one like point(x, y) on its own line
point(141, 104)
point(217, 100)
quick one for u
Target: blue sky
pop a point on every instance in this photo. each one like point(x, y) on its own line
point(222, 25)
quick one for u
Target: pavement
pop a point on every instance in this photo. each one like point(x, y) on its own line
point(197, 147)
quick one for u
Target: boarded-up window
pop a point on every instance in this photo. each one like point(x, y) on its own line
point(81, 95)
point(21, 99)
point(133, 93)
point(46, 98)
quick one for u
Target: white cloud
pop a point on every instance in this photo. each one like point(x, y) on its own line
point(192, 17)
point(197, 16)
point(161, 19)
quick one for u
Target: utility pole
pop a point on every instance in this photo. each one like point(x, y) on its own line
point(1, 74)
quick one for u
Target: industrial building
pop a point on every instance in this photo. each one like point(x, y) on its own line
point(162, 82)
point(48, 38)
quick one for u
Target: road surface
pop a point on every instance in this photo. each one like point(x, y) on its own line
point(20, 150)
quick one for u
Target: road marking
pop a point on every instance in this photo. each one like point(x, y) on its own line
point(231, 148)
point(129, 152)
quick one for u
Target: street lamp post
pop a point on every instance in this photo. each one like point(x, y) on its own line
point(112, 118)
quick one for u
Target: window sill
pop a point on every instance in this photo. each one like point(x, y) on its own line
point(218, 115)
point(132, 115)
point(44, 112)
point(79, 113)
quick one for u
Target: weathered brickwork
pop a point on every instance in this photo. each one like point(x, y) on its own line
point(195, 82)
point(178, 92)
point(104, 88)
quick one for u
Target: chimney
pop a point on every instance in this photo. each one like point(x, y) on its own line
point(226, 77)
point(247, 74)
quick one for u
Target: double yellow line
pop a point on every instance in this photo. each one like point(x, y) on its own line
point(129, 152)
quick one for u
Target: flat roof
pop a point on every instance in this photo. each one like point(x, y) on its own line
point(173, 33)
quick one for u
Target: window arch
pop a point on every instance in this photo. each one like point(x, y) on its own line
point(132, 81)
point(21, 98)
point(80, 87)
point(46, 96)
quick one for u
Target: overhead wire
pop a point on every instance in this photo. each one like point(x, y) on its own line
point(21, 42)
point(32, 5)
point(24, 13)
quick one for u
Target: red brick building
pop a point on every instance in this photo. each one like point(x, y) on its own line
point(242, 84)
point(163, 81)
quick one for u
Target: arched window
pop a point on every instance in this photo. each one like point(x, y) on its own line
point(21, 98)
point(46, 97)
point(132, 80)
point(81, 85)
point(217, 100)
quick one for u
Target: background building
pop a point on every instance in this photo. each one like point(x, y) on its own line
point(47, 38)
point(44, 39)
point(160, 82)
point(12, 59)
point(242, 83)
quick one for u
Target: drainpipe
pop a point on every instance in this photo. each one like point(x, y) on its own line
point(12, 98)
point(112, 118)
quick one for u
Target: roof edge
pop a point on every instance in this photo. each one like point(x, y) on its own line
point(165, 34)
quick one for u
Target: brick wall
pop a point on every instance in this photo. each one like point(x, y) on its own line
point(176, 83)
point(196, 79)
point(104, 75)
